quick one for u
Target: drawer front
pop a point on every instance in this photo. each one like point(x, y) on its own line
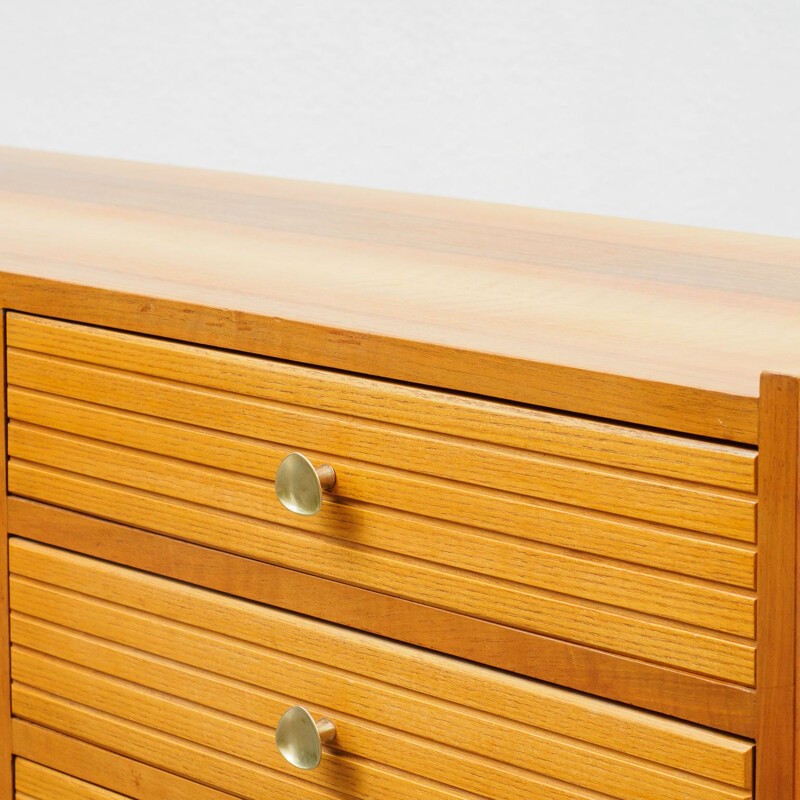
point(625, 540)
point(35, 782)
point(194, 682)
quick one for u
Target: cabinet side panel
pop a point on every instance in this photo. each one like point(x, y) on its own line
point(6, 772)
point(777, 585)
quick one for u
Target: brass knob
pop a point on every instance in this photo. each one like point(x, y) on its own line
point(300, 738)
point(299, 484)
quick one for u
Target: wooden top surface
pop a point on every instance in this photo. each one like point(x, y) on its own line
point(657, 324)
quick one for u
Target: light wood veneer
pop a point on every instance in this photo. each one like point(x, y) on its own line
point(567, 447)
point(35, 782)
point(218, 672)
point(415, 512)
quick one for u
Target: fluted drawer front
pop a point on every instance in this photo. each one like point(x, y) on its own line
point(35, 782)
point(626, 540)
point(62, 768)
point(194, 682)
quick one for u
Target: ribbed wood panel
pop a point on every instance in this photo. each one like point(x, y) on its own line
point(468, 417)
point(193, 682)
point(35, 782)
point(501, 512)
point(103, 768)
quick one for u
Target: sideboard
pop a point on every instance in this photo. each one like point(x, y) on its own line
point(326, 492)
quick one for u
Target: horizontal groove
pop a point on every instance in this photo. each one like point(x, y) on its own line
point(544, 547)
point(338, 768)
point(299, 662)
point(30, 776)
point(488, 533)
point(93, 605)
point(93, 592)
point(402, 559)
point(727, 613)
point(251, 442)
point(544, 457)
point(442, 438)
point(725, 512)
point(655, 642)
point(179, 648)
point(251, 711)
point(62, 754)
point(392, 741)
point(258, 453)
point(186, 759)
point(55, 664)
point(398, 745)
point(320, 385)
point(248, 483)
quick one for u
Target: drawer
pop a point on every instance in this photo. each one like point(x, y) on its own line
point(193, 682)
point(629, 541)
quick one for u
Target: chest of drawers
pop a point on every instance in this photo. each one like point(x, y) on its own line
point(558, 557)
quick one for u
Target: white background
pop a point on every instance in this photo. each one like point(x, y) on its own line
point(673, 110)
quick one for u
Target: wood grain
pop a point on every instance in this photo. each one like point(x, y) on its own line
point(96, 765)
point(645, 735)
point(438, 762)
point(777, 733)
point(621, 321)
point(661, 325)
point(717, 414)
point(624, 778)
point(561, 594)
point(139, 695)
point(679, 694)
point(41, 783)
point(672, 597)
point(171, 754)
point(643, 324)
point(679, 504)
point(224, 734)
point(373, 720)
point(6, 769)
point(575, 529)
point(715, 655)
point(413, 407)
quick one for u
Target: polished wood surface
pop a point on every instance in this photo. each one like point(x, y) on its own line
point(471, 418)
point(778, 530)
point(152, 748)
point(98, 766)
point(670, 596)
point(174, 658)
point(711, 703)
point(668, 502)
point(364, 534)
point(578, 350)
point(41, 783)
point(716, 655)
point(662, 548)
point(661, 325)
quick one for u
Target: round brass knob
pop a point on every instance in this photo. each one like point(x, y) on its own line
point(299, 484)
point(300, 738)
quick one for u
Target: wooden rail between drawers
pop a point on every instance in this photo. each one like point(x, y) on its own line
point(691, 697)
